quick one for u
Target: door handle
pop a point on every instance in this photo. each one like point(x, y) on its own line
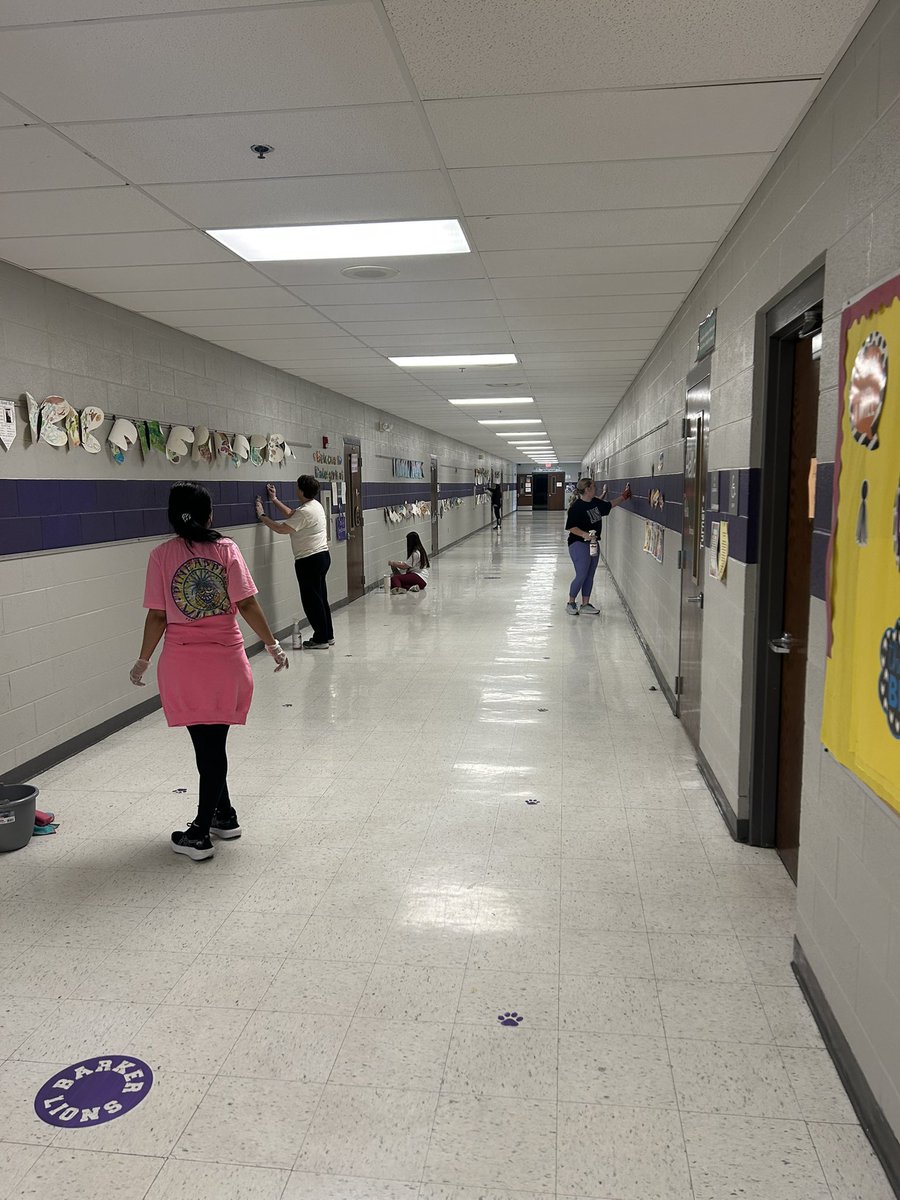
point(783, 644)
point(696, 599)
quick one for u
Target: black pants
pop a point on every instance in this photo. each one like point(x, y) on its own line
point(311, 572)
point(498, 513)
point(212, 763)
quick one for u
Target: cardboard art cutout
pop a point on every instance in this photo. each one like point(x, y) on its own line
point(861, 715)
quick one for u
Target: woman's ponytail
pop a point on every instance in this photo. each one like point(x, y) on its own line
point(190, 513)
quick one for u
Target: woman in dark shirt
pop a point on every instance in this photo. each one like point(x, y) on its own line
point(584, 521)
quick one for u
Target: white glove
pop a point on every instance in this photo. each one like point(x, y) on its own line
point(270, 490)
point(136, 674)
point(282, 662)
point(259, 507)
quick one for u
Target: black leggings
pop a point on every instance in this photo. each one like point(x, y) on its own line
point(311, 572)
point(498, 512)
point(212, 763)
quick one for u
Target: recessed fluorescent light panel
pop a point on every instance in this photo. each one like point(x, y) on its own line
point(454, 360)
point(511, 421)
point(500, 403)
point(369, 239)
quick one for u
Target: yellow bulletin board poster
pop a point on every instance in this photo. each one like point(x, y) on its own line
point(861, 720)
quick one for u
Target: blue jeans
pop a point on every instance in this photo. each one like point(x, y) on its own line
point(585, 566)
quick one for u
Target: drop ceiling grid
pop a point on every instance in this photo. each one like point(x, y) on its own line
point(652, 178)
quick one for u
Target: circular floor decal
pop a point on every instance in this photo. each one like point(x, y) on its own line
point(93, 1092)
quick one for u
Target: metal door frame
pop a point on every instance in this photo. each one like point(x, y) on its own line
point(699, 373)
point(781, 323)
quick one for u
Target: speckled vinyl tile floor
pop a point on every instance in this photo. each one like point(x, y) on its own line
point(485, 936)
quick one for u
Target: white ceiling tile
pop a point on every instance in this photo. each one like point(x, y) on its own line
point(202, 298)
point(33, 12)
point(420, 328)
point(262, 333)
point(469, 48)
point(606, 125)
point(304, 55)
point(611, 227)
point(639, 283)
point(563, 306)
point(410, 312)
point(504, 264)
point(200, 318)
point(11, 115)
point(194, 275)
point(579, 187)
point(631, 312)
point(323, 141)
point(37, 158)
point(394, 293)
point(464, 343)
point(81, 210)
point(573, 340)
point(401, 195)
point(409, 270)
point(113, 250)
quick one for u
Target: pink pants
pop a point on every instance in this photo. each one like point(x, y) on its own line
point(407, 580)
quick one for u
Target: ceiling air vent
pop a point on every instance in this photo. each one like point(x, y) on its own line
point(369, 273)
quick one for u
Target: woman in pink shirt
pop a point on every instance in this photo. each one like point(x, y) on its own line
point(197, 582)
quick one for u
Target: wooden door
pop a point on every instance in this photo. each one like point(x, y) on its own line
point(523, 491)
point(692, 543)
point(435, 505)
point(556, 495)
point(356, 578)
point(790, 644)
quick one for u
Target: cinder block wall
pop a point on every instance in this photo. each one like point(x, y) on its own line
point(833, 194)
point(70, 617)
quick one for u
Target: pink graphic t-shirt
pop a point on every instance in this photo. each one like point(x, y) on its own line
point(197, 581)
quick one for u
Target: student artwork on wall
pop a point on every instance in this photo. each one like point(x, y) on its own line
point(654, 539)
point(56, 423)
point(861, 716)
point(407, 468)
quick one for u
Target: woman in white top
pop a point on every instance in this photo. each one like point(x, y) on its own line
point(306, 526)
point(412, 575)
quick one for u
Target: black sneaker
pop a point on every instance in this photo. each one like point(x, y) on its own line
point(225, 825)
point(192, 843)
point(311, 644)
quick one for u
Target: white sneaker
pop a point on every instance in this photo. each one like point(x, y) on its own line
point(572, 608)
point(590, 611)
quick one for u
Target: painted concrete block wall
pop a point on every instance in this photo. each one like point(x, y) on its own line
point(70, 620)
point(832, 195)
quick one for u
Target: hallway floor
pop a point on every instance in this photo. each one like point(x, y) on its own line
point(485, 937)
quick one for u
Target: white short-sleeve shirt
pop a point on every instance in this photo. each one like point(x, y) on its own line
point(309, 536)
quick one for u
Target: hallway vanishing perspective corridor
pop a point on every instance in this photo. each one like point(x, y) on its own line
point(485, 937)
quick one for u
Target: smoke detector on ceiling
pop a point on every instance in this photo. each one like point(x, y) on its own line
point(369, 272)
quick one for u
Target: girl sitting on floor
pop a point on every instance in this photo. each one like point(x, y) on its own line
point(412, 575)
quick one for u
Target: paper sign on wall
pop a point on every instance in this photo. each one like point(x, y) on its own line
point(7, 423)
point(713, 554)
point(723, 548)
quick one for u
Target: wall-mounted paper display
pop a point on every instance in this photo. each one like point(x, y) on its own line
point(122, 436)
point(258, 442)
point(157, 441)
point(240, 449)
point(54, 411)
point(34, 415)
point(91, 418)
point(73, 431)
point(861, 714)
point(201, 451)
point(180, 437)
point(274, 448)
point(223, 444)
point(7, 422)
point(143, 437)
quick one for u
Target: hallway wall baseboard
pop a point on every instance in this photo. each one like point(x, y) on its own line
point(871, 1117)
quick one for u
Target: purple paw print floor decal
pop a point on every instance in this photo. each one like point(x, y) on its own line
point(511, 1018)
